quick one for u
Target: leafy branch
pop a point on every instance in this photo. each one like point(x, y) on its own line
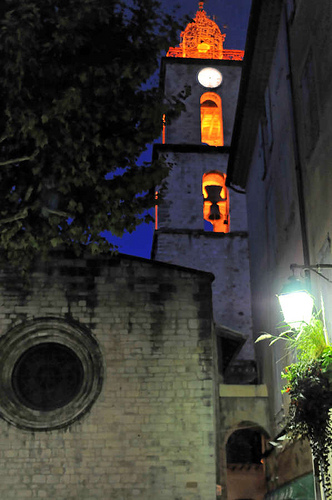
point(18, 216)
point(17, 160)
point(308, 343)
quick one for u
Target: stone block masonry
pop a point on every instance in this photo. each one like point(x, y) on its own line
point(182, 240)
point(226, 255)
point(150, 433)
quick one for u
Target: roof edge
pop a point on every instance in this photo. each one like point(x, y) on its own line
point(252, 86)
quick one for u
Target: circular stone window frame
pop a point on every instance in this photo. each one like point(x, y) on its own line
point(21, 338)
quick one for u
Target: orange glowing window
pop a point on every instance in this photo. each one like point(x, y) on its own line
point(156, 211)
point(164, 129)
point(212, 132)
point(216, 201)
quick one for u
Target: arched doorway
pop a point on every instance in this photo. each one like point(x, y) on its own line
point(245, 467)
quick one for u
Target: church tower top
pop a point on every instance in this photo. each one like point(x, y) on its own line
point(202, 39)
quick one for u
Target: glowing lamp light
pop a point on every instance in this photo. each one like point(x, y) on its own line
point(203, 47)
point(296, 303)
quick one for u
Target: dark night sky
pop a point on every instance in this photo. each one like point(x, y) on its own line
point(232, 18)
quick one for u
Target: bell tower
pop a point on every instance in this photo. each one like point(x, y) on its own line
point(199, 222)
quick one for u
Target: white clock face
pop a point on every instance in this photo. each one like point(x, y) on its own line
point(210, 78)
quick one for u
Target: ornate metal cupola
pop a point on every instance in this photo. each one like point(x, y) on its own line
point(202, 39)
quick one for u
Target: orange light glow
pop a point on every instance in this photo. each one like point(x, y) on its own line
point(212, 131)
point(164, 130)
point(216, 201)
point(203, 39)
point(203, 48)
point(156, 211)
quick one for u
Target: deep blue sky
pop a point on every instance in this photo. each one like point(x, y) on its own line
point(232, 18)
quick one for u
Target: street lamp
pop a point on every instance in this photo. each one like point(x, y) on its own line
point(296, 303)
point(295, 300)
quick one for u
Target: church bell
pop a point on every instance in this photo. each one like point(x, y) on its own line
point(214, 197)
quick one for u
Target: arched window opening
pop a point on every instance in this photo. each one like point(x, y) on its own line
point(216, 201)
point(212, 132)
point(244, 446)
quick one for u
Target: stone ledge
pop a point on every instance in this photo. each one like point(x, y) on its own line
point(200, 232)
point(243, 391)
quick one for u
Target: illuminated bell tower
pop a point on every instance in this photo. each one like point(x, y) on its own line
point(200, 223)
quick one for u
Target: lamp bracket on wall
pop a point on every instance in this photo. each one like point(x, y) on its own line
point(315, 268)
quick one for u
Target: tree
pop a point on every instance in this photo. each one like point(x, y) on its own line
point(76, 108)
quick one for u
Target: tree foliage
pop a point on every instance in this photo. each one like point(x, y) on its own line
point(76, 107)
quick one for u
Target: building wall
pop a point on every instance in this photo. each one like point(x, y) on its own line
point(311, 55)
point(280, 466)
point(274, 223)
point(292, 138)
point(245, 482)
point(275, 235)
point(150, 433)
point(181, 238)
point(226, 255)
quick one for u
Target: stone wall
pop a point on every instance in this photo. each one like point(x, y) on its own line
point(226, 256)
point(149, 430)
point(181, 238)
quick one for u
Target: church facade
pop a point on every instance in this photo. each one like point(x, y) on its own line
point(107, 382)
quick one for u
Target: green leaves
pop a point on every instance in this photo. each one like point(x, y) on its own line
point(310, 391)
point(309, 388)
point(287, 336)
point(308, 343)
point(74, 109)
point(265, 336)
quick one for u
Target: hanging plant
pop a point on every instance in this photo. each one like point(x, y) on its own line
point(309, 385)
